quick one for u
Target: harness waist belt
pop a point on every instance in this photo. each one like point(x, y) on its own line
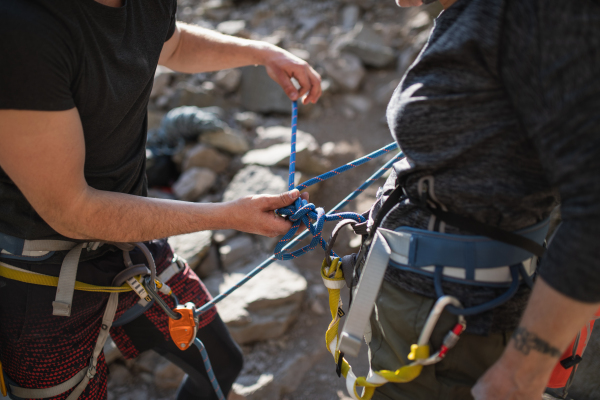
point(477, 259)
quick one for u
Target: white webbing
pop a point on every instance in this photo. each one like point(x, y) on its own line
point(61, 306)
point(366, 293)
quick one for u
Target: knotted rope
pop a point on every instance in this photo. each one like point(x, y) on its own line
point(303, 212)
point(288, 241)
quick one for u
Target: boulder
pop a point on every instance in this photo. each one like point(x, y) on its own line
point(238, 249)
point(226, 140)
point(367, 45)
point(248, 119)
point(192, 247)
point(168, 376)
point(255, 387)
point(349, 16)
point(358, 102)
point(162, 78)
point(192, 95)
point(205, 157)
point(209, 264)
point(111, 351)
point(255, 179)
point(279, 155)
point(262, 308)
point(268, 136)
point(384, 93)
point(261, 94)
point(234, 28)
point(346, 71)
point(228, 79)
point(193, 183)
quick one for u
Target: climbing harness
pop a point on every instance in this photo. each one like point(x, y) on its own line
point(420, 353)
point(183, 319)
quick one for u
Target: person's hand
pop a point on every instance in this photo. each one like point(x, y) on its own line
point(504, 381)
point(255, 214)
point(282, 66)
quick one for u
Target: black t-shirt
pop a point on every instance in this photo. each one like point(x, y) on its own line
point(60, 54)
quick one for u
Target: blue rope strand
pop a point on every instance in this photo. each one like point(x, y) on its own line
point(303, 212)
point(209, 370)
point(291, 180)
point(301, 236)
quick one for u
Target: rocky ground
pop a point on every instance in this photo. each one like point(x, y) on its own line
point(226, 135)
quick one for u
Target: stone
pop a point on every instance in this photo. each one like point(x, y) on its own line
point(255, 179)
point(317, 307)
point(346, 71)
point(419, 22)
point(205, 157)
point(279, 155)
point(155, 118)
point(168, 376)
point(226, 140)
point(317, 46)
point(252, 387)
point(234, 28)
point(262, 308)
point(223, 235)
point(111, 352)
point(162, 78)
point(119, 375)
point(228, 79)
point(384, 93)
point(262, 94)
point(358, 102)
point(268, 136)
point(193, 183)
point(239, 248)
point(366, 44)
point(190, 95)
point(300, 53)
point(192, 247)
point(248, 119)
point(349, 16)
point(209, 264)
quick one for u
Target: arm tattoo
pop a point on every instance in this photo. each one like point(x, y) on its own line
point(526, 341)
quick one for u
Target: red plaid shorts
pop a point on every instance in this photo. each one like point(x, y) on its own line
point(39, 350)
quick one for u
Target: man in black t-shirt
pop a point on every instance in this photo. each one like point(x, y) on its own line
point(75, 80)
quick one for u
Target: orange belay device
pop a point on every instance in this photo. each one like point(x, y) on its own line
point(183, 330)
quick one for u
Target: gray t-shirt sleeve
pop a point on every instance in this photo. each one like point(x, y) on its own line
point(550, 64)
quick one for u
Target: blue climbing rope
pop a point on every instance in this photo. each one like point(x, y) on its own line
point(303, 212)
point(378, 174)
point(209, 370)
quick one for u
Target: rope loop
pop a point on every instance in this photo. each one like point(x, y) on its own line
point(303, 212)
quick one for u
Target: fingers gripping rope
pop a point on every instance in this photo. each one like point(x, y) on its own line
point(302, 212)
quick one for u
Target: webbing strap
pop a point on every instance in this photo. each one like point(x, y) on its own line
point(17, 274)
point(82, 378)
point(107, 319)
point(48, 245)
point(61, 306)
point(25, 393)
point(366, 293)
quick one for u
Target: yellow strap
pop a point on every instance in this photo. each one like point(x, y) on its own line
point(2, 383)
point(21, 275)
point(404, 374)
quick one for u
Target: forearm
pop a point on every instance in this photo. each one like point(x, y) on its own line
point(118, 217)
point(200, 50)
point(550, 322)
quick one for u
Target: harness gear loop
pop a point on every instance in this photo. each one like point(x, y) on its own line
point(333, 278)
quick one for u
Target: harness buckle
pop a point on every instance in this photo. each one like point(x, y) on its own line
point(91, 372)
